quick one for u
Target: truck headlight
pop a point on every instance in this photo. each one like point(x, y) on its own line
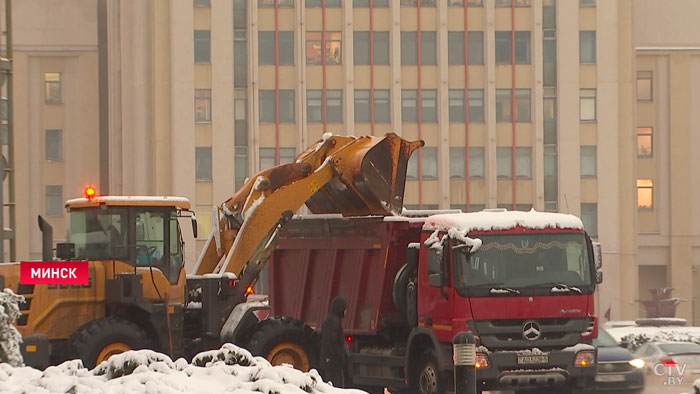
point(584, 358)
point(482, 360)
point(637, 363)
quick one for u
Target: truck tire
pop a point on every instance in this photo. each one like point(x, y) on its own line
point(283, 339)
point(102, 338)
point(428, 379)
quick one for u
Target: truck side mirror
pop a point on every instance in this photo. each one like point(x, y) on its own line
point(598, 277)
point(597, 255)
point(194, 225)
point(435, 280)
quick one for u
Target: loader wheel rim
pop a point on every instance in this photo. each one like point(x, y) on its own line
point(110, 350)
point(289, 353)
point(427, 381)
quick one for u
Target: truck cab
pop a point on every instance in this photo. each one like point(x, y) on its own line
point(522, 283)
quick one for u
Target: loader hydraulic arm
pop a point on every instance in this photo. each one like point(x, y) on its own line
point(348, 175)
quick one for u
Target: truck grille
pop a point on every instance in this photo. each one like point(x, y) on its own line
point(508, 333)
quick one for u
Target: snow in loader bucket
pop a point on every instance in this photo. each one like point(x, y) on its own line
point(228, 369)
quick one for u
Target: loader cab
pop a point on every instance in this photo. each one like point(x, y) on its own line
point(141, 232)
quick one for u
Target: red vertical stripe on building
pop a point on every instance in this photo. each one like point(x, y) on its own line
point(277, 87)
point(466, 109)
point(512, 92)
point(323, 61)
point(371, 65)
point(419, 104)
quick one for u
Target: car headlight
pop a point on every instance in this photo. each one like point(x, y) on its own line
point(637, 363)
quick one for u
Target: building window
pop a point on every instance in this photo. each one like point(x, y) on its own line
point(645, 142)
point(361, 47)
point(507, 3)
point(365, 3)
point(334, 107)
point(202, 3)
point(267, 157)
point(241, 163)
point(413, 3)
point(644, 86)
point(54, 200)
point(476, 105)
point(428, 164)
point(409, 47)
point(280, 3)
point(240, 60)
point(54, 145)
point(522, 105)
point(589, 217)
point(587, 105)
point(52, 86)
point(203, 222)
point(645, 193)
point(455, 43)
point(587, 46)
point(504, 162)
point(586, 3)
point(329, 3)
point(523, 162)
point(460, 3)
point(266, 47)
point(267, 106)
point(504, 50)
point(202, 105)
point(476, 162)
point(589, 161)
point(202, 46)
point(409, 107)
point(428, 105)
point(202, 163)
point(333, 47)
point(381, 105)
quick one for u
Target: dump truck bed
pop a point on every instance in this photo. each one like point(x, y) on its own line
point(319, 257)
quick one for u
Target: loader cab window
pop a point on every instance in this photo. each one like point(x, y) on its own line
point(99, 233)
point(150, 237)
point(176, 252)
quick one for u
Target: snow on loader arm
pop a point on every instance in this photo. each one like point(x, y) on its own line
point(353, 176)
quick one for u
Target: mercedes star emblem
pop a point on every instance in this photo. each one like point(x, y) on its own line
point(531, 330)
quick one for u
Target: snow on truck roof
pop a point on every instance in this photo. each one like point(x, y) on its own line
point(164, 201)
point(488, 220)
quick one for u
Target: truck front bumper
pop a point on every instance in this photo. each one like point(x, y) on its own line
point(504, 372)
point(35, 350)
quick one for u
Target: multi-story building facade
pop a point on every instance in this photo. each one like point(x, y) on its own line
point(573, 106)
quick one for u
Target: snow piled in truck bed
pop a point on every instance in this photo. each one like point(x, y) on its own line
point(224, 370)
point(501, 220)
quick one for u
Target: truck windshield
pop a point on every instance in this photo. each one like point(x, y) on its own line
point(524, 261)
point(99, 233)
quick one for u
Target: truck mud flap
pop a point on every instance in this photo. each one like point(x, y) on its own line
point(35, 351)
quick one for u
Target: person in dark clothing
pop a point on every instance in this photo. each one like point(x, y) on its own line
point(333, 356)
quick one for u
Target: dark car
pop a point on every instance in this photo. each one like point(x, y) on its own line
point(617, 368)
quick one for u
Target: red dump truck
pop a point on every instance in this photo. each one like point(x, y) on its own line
point(521, 282)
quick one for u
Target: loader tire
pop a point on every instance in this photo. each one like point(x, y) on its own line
point(283, 339)
point(102, 338)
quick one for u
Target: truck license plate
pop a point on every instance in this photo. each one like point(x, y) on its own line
point(610, 378)
point(538, 359)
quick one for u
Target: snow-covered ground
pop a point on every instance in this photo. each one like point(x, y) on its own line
point(225, 370)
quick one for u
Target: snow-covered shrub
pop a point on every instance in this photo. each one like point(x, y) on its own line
point(125, 363)
point(10, 338)
point(229, 354)
point(635, 341)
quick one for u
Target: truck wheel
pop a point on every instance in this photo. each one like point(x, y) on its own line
point(282, 339)
point(99, 339)
point(428, 380)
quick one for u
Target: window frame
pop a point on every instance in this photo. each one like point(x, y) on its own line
point(643, 187)
point(205, 163)
point(591, 158)
point(649, 134)
point(201, 59)
point(202, 96)
point(59, 148)
point(586, 98)
point(594, 56)
point(50, 192)
point(53, 86)
point(650, 78)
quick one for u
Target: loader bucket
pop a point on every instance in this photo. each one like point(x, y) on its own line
point(372, 176)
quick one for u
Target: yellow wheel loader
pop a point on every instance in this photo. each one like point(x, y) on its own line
point(139, 295)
